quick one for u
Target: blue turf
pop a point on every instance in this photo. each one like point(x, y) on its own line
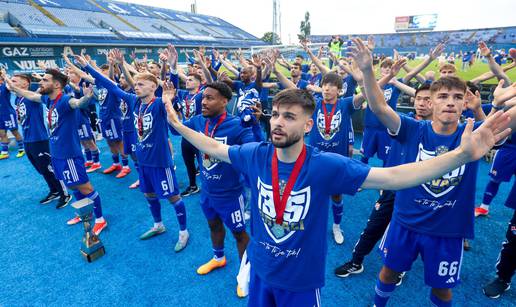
point(40, 262)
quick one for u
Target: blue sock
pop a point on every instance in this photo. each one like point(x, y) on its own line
point(125, 161)
point(78, 195)
point(382, 293)
point(218, 251)
point(490, 193)
point(179, 206)
point(116, 158)
point(337, 209)
point(95, 156)
point(136, 166)
point(364, 159)
point(155, 208)
point(97, 207)
point(5, 147)
point(438, 302)
point(20, 145)
point(88, 155)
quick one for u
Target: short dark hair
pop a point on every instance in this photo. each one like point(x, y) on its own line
point(104, 66)
point(300, 56)
point(223, 89)
point(448, 83)
point(296, 64)
point(24, 77)
point(423, 87)
point(294, 96)
point(58, 76)
point(332, 79)
point(388, 62)
point(472, 87)
point(196, 76)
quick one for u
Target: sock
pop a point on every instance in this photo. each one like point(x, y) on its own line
point(490, 193)
point(438, 302)
point(155, 209)
point(364, 159)
point(78, 195)
point(5, 147)
point(125, 161)
point(337, 209)
point(179, 206)
point(136, 166)
point(382, 293)
point(20, 145)
point(116, 159)
point(87, 153)
point(218, 251)
point(95, 156)
point(97, 207)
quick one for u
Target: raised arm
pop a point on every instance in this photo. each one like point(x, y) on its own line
point(285, 82)
point(118, 58)
point(434, 53)
point(81, 102)
point(488, 75)
point(68, 52)
point(320, 65)
point(200, 59)
point(473, 146)
point(493, 66)
point(362, 56)
point(29, 95)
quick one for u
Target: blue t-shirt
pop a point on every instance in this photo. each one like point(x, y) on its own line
point(191, 104)
point(293, 256)
point(443, 207)
point(349, 86)
point(219, 179)
point(30, 117)
point(63, 123)
point(338, 139)
point(109, 104)
point(301, 84)
point(127, 114)
point(5, 100)
point(314, 79)
point(152, 144)
point(247, 94)
point(391, 94)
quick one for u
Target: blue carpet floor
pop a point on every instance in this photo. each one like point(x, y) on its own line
point(40, 263)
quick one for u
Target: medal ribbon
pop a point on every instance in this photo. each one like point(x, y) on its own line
point(18, 108)
point(328, 117)
point(206, 128)
point(49, 116)
point(280, 201)
point(140, 116)
point(188, 102)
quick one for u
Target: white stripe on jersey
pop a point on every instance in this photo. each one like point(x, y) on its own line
point(113, 129)
point(169, 180)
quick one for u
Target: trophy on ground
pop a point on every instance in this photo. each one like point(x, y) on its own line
point(91, 248)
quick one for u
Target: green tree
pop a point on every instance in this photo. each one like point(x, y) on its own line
point(270, 38)
point(304, 28)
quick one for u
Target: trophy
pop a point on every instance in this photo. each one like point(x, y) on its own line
point(91, 248)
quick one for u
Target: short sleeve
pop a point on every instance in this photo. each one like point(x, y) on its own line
point(408, 126)
point(346, 175)
point(241, 156)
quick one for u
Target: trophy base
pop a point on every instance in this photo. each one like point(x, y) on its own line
point(94, 255)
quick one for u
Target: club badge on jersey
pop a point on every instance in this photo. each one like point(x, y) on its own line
point(440, 186)
point(209, 162)
point(144, 121)
point(101, 95)
point(326, 131)
point(123, 107)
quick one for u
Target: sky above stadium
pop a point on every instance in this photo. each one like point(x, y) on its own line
point(348, 17)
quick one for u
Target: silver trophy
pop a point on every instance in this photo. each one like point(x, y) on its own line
point(91, 248)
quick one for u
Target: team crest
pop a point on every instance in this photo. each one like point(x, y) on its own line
point(209, 162)
point(296, 210)
point(387, 94)
point(334, 126)
point(21, 113)
point(188, 104)
point(54, 118)
point(101, 95)
point(440, 186)
point(123, 107)
point(344, 88)
point(146, 130)
point(247, 98)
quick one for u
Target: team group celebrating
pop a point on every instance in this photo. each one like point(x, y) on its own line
point(293, 160)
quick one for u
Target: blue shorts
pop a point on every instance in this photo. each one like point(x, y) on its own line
point(262, 294)
point(504, 164)
point(85, 132)
point(442, 257)
point(230, 211)
point(8, 121)
point(158, 180)
point(376, 141)
point(71, 171)
point(111, 129)
point(129, 140)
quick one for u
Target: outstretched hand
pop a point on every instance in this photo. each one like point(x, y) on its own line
point(169, 93)
point(360, 54)
point(87, 90)
point(81, 60)
point(436, 52)
point(475, 144)
point(502, 93)
point(484, 50)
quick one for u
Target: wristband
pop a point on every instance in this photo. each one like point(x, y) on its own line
point(498, 108)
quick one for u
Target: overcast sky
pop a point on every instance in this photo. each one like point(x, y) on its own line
point(349, 17)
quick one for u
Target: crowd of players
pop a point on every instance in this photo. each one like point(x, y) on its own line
point(143, 102)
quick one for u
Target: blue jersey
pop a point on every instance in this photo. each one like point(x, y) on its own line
point(5, 101)
point(190, 104)
point(247, 94)
point(63, 121)
point(109, 104)
point(152, 144)
point(442, 207)
point(30, 117)
point(300, 84)
point(337, 139)
point(127, 114)
point(219, 179)
point(349, 86)
point(293, 256)
point(305, 68)
point(391, 94)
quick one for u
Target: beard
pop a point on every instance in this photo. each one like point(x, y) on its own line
point(289, 141)
point(45, 91)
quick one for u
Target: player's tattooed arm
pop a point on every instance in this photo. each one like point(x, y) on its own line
point(87, 94)
point(29, 95)
point(200, 141)
point(362, 57)
point(474, 145)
